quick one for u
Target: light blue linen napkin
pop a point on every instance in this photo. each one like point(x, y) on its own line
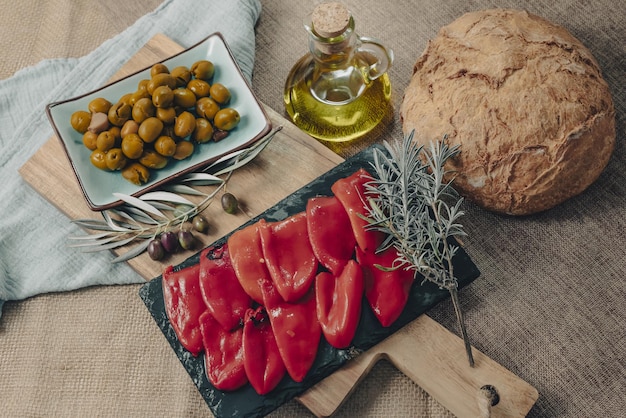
point(34, 257)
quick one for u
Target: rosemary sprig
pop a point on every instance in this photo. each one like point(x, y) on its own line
point(145, 217)
point(418, 210)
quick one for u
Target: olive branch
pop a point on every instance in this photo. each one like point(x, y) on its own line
point(418, 210)
point(143, 218)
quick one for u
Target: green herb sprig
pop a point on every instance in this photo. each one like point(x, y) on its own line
point(411, 201)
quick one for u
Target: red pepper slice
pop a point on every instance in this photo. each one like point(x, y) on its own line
point(387, 291)
point(330, 232)
point(247, 258)
point(351, 193)
point(339, 303)
point(224, 297)
point(288, 255)
point(184, 305)
point(296, 329)
point(261, 358)
point(223, 361)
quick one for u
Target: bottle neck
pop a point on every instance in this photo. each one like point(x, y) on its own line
point(335, 51)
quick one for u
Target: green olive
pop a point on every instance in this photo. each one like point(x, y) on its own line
point(105, 141)
point(143, 109)
point(98, 159)
point(203, 70)
point(152, 159)
point(165, 146)
point(184, 97)
point(203, 131)
point(230, 204)
point(168, 130)
point(132, 146)
point(126, 98)
point(143, 85)
point(166, 114)
point(89, 140)
point(219, 93)
point(226, 119)
point(136, 173)
point(80, 120)
point(129, 127)
point(183, 150)
point(115, 159)
point(119, 113)
point(150, 129)
point(199, 87)
point(182, 75)
point(139, 94)
point(158, 68)
point(185, 124)
point(207, 108)
point(161, 79)
point(116, 131)
point(163, 96)
point(99, 105)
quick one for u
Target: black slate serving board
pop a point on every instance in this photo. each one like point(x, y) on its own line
point(245, 402)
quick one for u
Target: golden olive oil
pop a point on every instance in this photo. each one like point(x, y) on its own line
point(340, 117)
point(340, 90)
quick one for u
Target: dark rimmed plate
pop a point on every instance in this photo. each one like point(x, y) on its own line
point(98, 187)
point(245, 402)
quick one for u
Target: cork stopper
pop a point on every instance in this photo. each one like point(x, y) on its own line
point(330, 19)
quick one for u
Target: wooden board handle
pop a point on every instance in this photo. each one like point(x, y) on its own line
point(435, 359)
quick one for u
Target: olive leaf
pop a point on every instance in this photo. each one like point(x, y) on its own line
point(145, 217)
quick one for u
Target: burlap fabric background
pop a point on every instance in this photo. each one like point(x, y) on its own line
point(550, 305)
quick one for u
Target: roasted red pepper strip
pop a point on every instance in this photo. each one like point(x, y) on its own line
point(296, 329)
point(184, 305)
point(330, 232)
point(261, 358)
point(351, 193)
point(223, 360)
point(246, 256)
point(339, 302)
point(224, 297)
point(386, 291)
point(288, 255)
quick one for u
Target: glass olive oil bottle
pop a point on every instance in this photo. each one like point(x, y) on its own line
point(340, 91)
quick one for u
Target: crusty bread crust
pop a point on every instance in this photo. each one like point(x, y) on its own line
point(525, 100)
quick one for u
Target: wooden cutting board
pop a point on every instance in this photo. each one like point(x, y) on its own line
point(430, 355)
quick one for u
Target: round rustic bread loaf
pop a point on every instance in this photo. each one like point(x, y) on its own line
point(525, 100)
